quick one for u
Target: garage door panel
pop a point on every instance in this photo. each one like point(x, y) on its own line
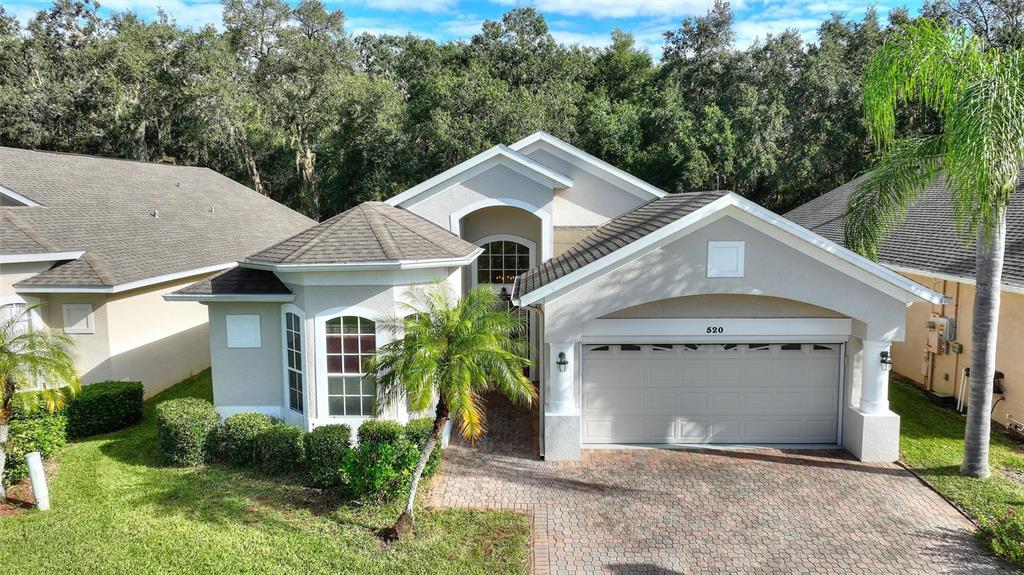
point(708, 395)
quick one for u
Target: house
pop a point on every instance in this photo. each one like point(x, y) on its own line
point(696, 318)
point(927, 248)
point(98, 241)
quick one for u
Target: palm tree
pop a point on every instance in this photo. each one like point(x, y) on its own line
point(449, 352)
point(37, 370)
point(978, 97)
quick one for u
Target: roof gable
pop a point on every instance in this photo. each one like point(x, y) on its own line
point(498, 155)
point(646, 229)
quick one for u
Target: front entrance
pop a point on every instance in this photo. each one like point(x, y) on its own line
point(504, 258)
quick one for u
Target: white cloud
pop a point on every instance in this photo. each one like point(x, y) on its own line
point(601, 9)
point(430, 6)
point(463, 26)
point(748, 31)
point(595, 39)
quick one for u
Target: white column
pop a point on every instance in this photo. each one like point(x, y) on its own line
point(560, 393)
point(874, 389)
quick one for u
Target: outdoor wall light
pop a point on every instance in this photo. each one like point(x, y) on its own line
point(562, 362)
point(886, 360)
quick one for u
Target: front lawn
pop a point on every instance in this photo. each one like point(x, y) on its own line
point(117, 509)
point(932, 444)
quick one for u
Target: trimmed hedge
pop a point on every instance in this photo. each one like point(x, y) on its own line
point(104, 407)
point(381, 467)
point(380, 431)
point(325, 448)
point(418, 431)
point(185, 429)
point(40, 431)
point(280, 448)
point(236, 437)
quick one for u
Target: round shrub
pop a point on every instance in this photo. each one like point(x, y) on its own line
point(236, 437)
point(38, 430)
point(185, 428)
point(380, 431)
point(381, 466)
point(104, 407)
point(325, 448)
point(419, 431)
point(280, 448)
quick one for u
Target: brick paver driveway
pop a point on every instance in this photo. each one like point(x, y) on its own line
point(705, 511)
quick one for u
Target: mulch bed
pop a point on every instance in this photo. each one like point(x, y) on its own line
point(19, 499)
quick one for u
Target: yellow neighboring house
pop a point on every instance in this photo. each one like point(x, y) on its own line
point(99, 241)
point(927, 248)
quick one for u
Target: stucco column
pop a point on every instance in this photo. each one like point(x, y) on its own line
point(874, 389)
point(560, 393)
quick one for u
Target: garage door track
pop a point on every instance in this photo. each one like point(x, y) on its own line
point(710, 511)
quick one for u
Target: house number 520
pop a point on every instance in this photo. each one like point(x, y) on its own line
point(716, 329)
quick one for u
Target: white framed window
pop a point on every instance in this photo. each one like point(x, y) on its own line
point(725, 259)
point(17, 312)
point(78, 318)
point(243, 331)
point(293, 362)
point(351, 342)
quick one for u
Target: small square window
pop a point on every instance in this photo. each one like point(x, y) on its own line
point(725, 259)
point(243, 331)
point(78, 318)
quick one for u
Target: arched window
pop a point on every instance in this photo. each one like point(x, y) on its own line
point(501, 261)
point(351, 341)
point(293, 361)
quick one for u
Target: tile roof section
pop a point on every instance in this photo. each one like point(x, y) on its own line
point(238, 281)
point(927, 240)
point(370, 232)
point(614, 235)
point(105, 207)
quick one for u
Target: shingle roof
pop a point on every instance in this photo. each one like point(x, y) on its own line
point(927, 239)
point(237, 281)
point(105, 208)
point(370, 232)
point(614, 235)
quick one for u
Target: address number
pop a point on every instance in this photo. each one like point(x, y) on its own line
point(716, 329)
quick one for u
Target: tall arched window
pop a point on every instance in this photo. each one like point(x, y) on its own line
point(351, 341)
point(293, 361)
point(501, 262)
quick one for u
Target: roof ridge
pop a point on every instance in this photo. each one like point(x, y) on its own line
point(415, 232)
point(29, 231)
point(97, 157)
point(99, 267)
point(318, 235)
point(390, 246)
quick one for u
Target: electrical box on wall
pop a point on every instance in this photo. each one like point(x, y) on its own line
point(941, 330)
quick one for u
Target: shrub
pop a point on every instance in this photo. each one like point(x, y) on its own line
point(40, 431)
point(418, 431)
point(280, 448)
point(185, 429)
point(381, 466)
point(325, 448)
point(236, 437)
point(104, 407)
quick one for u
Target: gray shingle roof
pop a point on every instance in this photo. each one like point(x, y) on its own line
point(614, 235)
point(927, 240)
point(369, 232)
point(236, 281)
point(104, 207)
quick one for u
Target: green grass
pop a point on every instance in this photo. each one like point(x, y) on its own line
point(932, 444)
point(117, 509)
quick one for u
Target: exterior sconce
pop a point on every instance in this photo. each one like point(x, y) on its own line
point(886, 361)
point(562, 362)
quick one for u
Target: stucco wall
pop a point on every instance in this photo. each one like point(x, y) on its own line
point(942, 372)
point(568, 236)
point(501, 220)
point(11, 274)
point(719, 305)
point(247, 377)
point(772, 268)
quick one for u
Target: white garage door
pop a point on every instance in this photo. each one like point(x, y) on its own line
point(712, 393)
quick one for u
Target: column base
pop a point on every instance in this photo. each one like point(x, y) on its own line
point(562, 436)
point(872, 437)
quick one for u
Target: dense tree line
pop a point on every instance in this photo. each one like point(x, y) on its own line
point(287, 102)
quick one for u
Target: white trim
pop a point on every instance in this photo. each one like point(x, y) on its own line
point(321, 415)
point(547, 240)
point(799, 330)
point(284, 297)
point(533, 169)
point(363, 266)
point(249, 337)
point(39, 257)
point(11, 194)
point(286, 407)
point(532, 245)
point(828, 252)
point(946, 277)
point(126, 286)
point(738, 248)
point(90, 326)
point(591, 164)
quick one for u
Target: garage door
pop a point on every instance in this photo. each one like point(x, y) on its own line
point(712, 393)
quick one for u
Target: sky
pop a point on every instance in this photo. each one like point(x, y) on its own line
point(587, 22)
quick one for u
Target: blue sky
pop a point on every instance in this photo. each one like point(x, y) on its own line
point(587, 22)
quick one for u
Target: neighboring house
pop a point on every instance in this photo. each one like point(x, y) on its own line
point(100, 240)
point(927, 248)
point(696, 318)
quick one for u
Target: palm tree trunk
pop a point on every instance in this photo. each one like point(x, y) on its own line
point(4, 434)
point(404, 524)
point(989, 264)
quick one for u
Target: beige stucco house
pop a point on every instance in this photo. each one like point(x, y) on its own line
point(99, 241)
point(655, 319)
point(926, 248)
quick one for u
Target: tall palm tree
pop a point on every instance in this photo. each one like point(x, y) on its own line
point(978, 96)
point(447, 353)
point(36, 370)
